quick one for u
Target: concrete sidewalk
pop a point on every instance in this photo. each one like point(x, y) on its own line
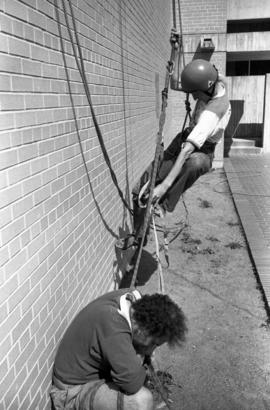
point(249, 180)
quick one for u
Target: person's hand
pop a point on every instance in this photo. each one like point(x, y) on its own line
point(158, 192)
point(141, 357)
point(150, 359)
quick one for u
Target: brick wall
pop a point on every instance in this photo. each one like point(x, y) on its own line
point(58, 223)
point(57, 226)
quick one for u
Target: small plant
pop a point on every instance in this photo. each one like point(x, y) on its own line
point(207, 251)
point(212, 239)
point(188, 239)
point(234, 245)
point(205, 204)
point(163, 380)
point(266, 324)
point(231, 223)
point(192, 250)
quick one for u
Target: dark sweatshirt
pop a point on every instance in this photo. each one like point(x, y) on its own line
point(98, 345)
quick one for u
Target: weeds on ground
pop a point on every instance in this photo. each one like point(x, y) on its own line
point(188, 239)
point(266, 324)
point(191, 246)
point(231, 223)
point(165, 382)
point(234, 245)
point(212, 239)
point(205, 204)
point(207, 251)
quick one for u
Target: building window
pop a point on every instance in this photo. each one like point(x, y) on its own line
point(247, 26)
point(248, 67)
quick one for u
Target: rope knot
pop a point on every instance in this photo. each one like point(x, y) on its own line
point(170, 67)
point(187, 103)
point(165, 93)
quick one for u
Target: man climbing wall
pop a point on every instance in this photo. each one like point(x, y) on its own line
point(191, 153)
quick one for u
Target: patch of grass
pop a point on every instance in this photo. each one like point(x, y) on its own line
point(266, 324)
point(207, 251)
point(234, 245)
point(193, 250)
point(191, 246)
point(231, 223)
point(163, 379)
point(212, 239)
point(188, 239)
point(205, 204)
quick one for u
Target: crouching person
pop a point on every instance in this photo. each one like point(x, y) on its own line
point(99, 364)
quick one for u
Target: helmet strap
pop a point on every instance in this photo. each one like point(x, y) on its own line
point(211, 90)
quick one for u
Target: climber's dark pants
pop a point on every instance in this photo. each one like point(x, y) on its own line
point(199, 162)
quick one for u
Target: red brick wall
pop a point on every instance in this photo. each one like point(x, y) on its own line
point(58, 231)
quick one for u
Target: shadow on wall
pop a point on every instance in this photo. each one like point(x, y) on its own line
point(124, 264)
point(147, 267)
point(204, 55)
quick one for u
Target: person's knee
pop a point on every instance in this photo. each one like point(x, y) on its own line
point(107, 396)
point(144, 399)
point(198, 163)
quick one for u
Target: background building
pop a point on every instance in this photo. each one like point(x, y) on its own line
point(248, 68)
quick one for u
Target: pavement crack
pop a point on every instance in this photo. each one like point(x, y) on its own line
point(215, 295)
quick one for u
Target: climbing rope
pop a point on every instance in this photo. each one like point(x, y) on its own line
point(80, 65)
point(77, 127)
point(177, 50)
point(175, 42)
point(149, 207)
point(175, 83)
point(160, 272)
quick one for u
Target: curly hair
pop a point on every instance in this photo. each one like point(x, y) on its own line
point(161, 318)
